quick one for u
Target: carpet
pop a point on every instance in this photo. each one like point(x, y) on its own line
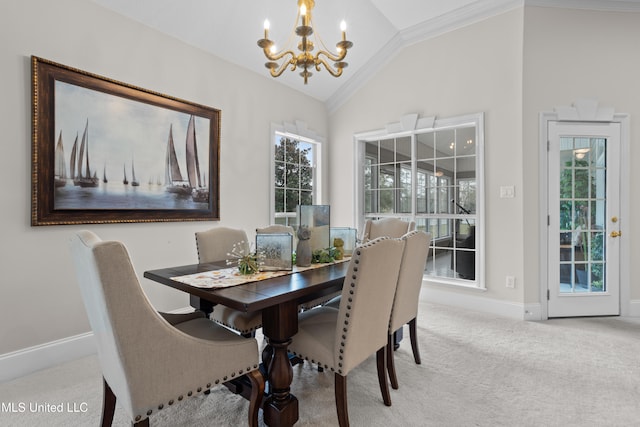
point(477, 369)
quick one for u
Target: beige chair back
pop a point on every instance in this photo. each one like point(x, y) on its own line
point(115, 303)
point(146, 362)
point(389, 227)
point(366, 300)
point(275, 229)
point(215, 244)
point(414, 259)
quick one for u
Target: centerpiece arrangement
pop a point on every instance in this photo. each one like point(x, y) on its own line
point(247, 263)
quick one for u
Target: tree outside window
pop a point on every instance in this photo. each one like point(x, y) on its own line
point(294, 177)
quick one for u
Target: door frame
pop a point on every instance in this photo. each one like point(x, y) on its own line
point(586, 111)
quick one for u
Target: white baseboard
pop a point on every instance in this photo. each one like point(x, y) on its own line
point(480, 303)
point(634, 308)
point(29, 360)
point(26, 361)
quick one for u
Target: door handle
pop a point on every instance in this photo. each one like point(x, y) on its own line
point(616, 234)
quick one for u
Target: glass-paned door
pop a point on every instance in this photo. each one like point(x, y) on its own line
point(584, 206)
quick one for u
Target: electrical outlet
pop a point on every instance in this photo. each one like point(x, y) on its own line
point(511, 282)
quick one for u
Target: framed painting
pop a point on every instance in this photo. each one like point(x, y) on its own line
point(107, 152)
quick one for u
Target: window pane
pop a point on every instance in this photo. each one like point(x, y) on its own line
point(445, 143)
point(387, 201)
point(280, 175)
point(306, 198)
point(294, 176)
point(279, 154)
point(465, 141)
point(387, 151)
point(371, 151)
point(419, 177)
point(293, 200)
point(403, 149)
point(425, 146)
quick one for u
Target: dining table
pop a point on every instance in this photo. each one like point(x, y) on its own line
point(278, 298)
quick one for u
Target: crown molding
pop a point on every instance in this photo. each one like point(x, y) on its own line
point(597, 5)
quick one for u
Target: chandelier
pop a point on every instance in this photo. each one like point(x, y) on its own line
point(279, 61)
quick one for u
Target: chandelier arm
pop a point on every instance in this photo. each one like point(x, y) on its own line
point(320, 61)
point(331, 56)
point(283, 66)
point(278, 55)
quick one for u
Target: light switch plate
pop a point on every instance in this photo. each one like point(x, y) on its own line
point(507, 192)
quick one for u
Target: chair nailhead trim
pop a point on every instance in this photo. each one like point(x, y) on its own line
point(217, 381)
point(190, 393)
point(138, 418)
point(208, 385)
point(180, 398)
point(199, 389)
point(161, 406)
point(149, 412)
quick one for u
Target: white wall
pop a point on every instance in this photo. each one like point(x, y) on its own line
point(474, 69)
point(39, 298)
point(569, 55)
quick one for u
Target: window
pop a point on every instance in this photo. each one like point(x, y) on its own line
point(294, 175)
point(432, 175)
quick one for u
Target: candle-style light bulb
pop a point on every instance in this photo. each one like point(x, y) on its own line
point(303, 10)
point(343, 28)
point(266, 28)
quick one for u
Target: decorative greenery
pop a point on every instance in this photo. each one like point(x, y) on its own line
point(321, 256)
point(247, 263)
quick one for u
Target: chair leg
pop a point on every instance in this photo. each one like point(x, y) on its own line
point(341, 400)
point(391, 366)
point(143, 423)
point(414, 341)
point(382, 376)
point(108, 404)
point(257, 392)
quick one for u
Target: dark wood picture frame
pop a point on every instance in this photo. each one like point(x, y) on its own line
point(122, 126)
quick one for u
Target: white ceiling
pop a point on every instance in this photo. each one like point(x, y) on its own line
point(230, 29)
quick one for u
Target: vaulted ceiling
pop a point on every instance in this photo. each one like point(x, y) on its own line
point(230, 29)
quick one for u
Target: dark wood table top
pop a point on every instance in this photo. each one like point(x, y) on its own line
point(300, 286)
point(278, 299)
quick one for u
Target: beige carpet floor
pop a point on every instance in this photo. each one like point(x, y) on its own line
point(477, 370)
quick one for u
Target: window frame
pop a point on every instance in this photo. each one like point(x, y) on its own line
point(411, 126)
point(299, 132)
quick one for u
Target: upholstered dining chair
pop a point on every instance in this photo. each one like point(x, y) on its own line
point(216, 244)
point(405, 302)
point(390, 227)
point(342, 339)
point(149, 362)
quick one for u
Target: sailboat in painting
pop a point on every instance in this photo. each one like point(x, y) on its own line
point(72, 161)
point(85, 179)
point(199, 192)
point(104, 174)
point(60, 172)
point(125, 181)
point(173, 179)
point(134, 181)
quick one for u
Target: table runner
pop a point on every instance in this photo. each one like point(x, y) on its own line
point(227, 277)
